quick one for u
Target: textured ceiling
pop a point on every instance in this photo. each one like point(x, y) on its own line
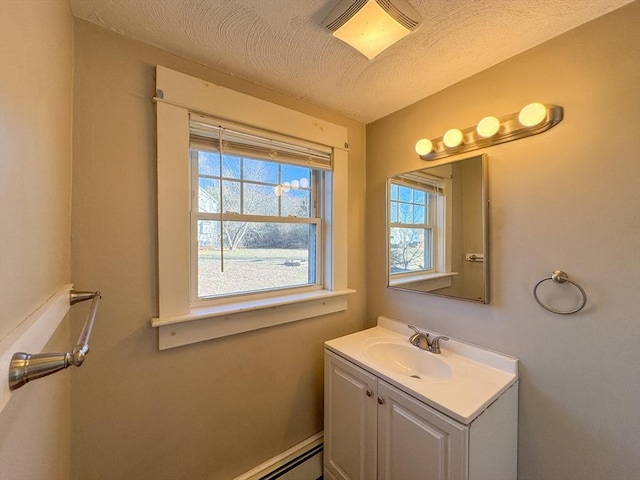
point(281, 44)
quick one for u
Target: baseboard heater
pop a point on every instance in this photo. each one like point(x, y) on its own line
point(301, 462)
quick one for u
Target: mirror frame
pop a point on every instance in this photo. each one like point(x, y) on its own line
point(485, 233)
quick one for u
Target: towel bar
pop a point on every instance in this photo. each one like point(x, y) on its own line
point(25, 367)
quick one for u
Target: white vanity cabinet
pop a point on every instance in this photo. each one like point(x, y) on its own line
point(374, 430)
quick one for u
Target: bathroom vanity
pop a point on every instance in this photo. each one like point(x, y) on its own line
point(396, 412)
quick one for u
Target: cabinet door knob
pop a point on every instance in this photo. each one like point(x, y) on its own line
point(369, 393)
point(380, 400)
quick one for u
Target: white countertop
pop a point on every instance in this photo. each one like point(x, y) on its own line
point(479, 376)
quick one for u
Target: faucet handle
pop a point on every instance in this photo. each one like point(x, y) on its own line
point(435, 343)
point(417, 334)
point(414, 329)
point(419, 339)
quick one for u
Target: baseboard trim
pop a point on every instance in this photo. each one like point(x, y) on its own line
point(279, 465)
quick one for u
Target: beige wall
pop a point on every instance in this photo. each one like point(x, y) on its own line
point(35, 138)
point(208, 410)
point(36, 66)
point(567, 199)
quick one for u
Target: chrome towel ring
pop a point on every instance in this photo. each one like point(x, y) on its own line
point(559, 276)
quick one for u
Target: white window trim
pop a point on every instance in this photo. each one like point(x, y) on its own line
point(178, 322)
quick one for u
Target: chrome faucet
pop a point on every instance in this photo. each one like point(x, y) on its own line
point(421, 340)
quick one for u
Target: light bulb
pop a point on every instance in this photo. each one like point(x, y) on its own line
point(532, 114)
point(452, 138)
point(424, 146)
point(488, 127)
point(295, 184)
point(286, 186)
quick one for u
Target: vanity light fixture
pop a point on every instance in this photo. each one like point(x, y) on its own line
point(532, 119)
point(371, 26)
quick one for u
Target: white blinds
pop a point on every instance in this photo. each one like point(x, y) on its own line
point(421, 181)
point(209, 134)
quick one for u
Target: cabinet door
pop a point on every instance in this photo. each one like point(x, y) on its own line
point(349, 420)
point(416, 442)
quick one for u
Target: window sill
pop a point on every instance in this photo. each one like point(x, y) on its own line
point(421, 277)
point(424, 282)
point(206, 323)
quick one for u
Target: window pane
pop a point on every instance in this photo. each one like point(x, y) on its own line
point(208, 195)
point(230, 196)
point(208, 235)
point(419, 197)
point(260, 171)
point(405, 213)
point(259, 200)
point(296, 203)
point(257, 256)
point(408, 249)
point(295, 175)
point(418, 214)
point(405, 194)
point(230, 166)
point(209, 164)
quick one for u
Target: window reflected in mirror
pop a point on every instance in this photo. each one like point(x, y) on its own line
point(437, 230)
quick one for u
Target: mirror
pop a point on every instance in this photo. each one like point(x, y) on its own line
point(437, 230)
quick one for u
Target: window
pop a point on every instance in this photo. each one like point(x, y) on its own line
point(416, 212)
point(411, 232)
point(256, 219)
point(244, 182)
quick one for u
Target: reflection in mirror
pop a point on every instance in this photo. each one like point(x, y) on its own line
point(437, 230)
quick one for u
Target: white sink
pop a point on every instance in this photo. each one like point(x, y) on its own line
point(461, 382)
point(406, 359)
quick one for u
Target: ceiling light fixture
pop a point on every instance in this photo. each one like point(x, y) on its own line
point(532, 119)
point(371, 26)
